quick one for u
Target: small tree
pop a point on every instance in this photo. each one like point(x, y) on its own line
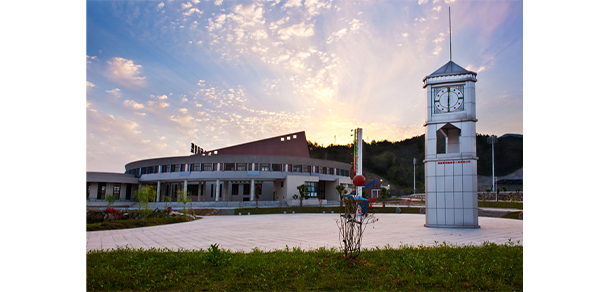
point(166, 199)
point(303, 192)
point(487, 191)
point(504, 190)
point(144, 195)
point(183, 197)
point(383, 194)
point(497, 193)
point(341, 191)
point(109, 199)
point(517, 190)
point(257, 193)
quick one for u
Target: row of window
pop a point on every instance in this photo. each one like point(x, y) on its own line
point(101, 190)
point(238, 167)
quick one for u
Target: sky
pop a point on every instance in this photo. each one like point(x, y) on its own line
point(163, 74)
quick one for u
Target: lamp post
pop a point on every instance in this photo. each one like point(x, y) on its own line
point(493, 139)
point(414, 161)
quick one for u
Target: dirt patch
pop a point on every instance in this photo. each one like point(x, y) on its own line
point(207, 212)
point(491, 213)
point(403, 202)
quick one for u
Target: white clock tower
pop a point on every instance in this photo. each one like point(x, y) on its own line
point(451, 149)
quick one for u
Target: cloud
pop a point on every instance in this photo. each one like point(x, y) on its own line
point(300, 30)
point(472, 68)
point(160, 6)
point(133, 105)
point(314, 7)
point(292, 3)
point(125, 72)
point(187, 5)
point(160, 97)
point(420, 2)
point(90, 86)
point(440, 38)
point(192, 10)
point(336, 35)
point(156, 106)
point(437, 8)
point(91, 58)
point(115, 92)
point(218, 2)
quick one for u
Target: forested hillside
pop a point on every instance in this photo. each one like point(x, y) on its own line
point(394, 160)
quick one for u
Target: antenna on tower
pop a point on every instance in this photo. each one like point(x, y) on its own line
point(450, 53)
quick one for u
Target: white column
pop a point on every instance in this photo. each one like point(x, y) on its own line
point(359, 158)
point(185, 187)
point(252, 190)
point(199, 192)
point(217, 189)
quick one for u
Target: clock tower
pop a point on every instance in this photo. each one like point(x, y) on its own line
point(451, 162)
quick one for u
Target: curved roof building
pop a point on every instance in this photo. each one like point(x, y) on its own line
point(278, 164)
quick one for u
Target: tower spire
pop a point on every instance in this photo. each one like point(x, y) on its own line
point(450, 52)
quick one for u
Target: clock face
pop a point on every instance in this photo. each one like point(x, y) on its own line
point(448, 99)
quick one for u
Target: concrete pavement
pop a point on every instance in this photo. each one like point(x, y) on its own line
point(308, 231)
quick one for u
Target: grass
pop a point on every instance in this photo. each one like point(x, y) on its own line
point(502, 205)
point(442, 267)
point(133, 223)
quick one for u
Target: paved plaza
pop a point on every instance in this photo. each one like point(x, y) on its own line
point(308, 231)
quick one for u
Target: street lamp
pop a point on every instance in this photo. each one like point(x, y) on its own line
point(493, 139)
point(414, 161)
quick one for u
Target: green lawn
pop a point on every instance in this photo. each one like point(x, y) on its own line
point(489, 267)
point(133, 223)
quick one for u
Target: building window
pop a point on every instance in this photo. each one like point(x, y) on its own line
point(265, 167)
point(375, 193)
point(276, 167)
point(296, 168)
point(101, 191)
point(165, 168)
point(315, 190)
point(116, 191)
point(331, 171)
point(234, 189)
point(230, 166)
point(307, 168)
point(88, 190)
point(175, 168)
point(207, 167)
point(246, 190)
point(195, 167)
point(242, 167)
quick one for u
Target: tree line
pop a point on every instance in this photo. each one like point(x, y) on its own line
point(394, 160)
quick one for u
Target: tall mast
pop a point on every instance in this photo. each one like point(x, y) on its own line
point(450, 53)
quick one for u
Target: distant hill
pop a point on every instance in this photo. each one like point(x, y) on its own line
point(394, 160)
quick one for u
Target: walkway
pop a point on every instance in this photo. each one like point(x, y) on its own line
point(308, 231)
